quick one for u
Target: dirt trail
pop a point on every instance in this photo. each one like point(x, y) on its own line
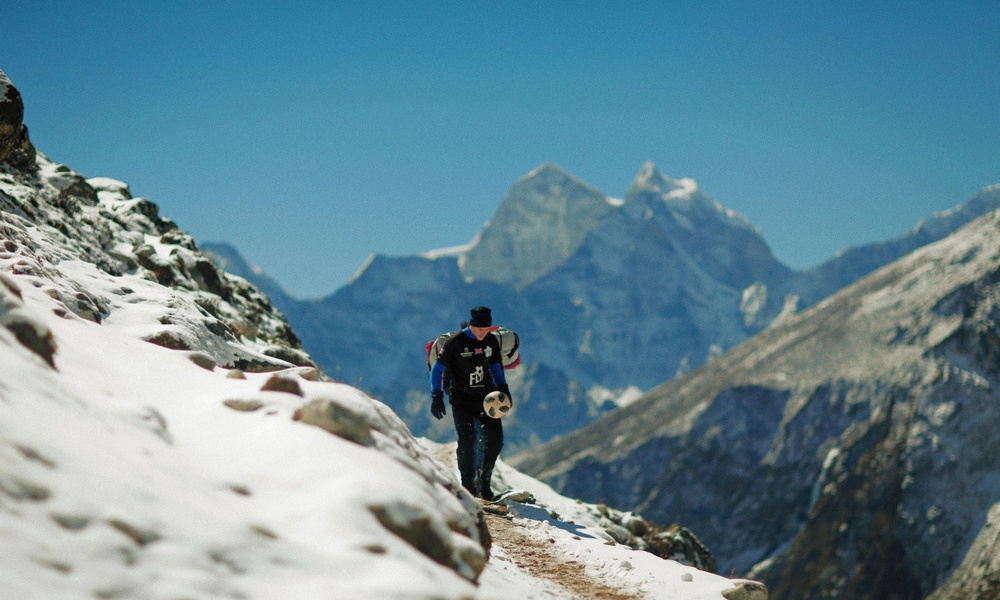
point(544, 561)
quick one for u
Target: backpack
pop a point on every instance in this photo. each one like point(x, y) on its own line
point(510, 347)
point(510, 353)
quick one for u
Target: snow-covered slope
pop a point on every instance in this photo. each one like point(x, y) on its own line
point(135, 470)
point(159, 470)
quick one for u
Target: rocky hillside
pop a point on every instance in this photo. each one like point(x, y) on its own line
point(978, 577)
point(846, 452)
point(52, 214)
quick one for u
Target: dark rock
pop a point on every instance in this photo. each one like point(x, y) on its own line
point(168, 339)
point(288, 354)
point(338, 419)
point(140, 536)
point(243, 405)
point(15, 147)
point(746, 590)
point(417, 527)
point(31, 333)
point(202, 360)
point(18, 488)
point(281, 383)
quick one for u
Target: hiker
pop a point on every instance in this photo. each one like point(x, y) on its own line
point(473, 358)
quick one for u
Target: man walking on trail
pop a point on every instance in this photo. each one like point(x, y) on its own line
point(473, 357)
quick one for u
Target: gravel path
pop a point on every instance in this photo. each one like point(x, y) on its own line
point(543, 560)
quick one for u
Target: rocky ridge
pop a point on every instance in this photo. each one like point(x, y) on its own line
point(97, 221)
point(846, 452)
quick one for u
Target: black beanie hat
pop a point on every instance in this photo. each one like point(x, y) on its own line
point(481, 317)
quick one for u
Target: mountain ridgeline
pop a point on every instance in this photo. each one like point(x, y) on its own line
point(847, 452)
point(609, 296)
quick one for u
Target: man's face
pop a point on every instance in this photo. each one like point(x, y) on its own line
point(479, 332)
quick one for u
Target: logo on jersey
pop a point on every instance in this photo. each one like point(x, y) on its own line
point(476, 377)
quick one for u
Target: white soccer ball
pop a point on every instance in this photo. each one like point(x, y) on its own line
point(497, 405)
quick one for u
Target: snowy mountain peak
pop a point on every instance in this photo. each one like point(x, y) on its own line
point(650, 179)
point(684, 199)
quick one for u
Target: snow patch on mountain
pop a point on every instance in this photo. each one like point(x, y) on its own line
point(450, 252)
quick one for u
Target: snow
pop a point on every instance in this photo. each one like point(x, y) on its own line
point(599, 395)
point(362, 269)
point(577, 532)
point(449, 252)
point(126, 471)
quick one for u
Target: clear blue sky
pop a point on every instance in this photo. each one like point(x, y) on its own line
point(312, 135)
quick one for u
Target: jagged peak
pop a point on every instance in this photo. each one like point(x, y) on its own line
point(650, 179)
point(683, 196)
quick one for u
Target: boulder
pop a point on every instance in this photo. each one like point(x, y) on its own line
point(32, 333)
point(15, 147)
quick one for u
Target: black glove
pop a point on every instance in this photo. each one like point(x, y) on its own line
point(437, 404)
point(505, 390)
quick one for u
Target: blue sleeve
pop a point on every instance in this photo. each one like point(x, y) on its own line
point(496, 370)
point(437, 372)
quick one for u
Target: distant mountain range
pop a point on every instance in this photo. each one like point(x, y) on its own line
point(847, 452)
point(610, 296)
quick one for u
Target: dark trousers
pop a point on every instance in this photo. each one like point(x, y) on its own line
point(471, 423)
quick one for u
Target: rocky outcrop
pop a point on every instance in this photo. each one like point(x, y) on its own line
point(675, 542)
point(15, 147)
point(96, 222)
point(461, 543)
point(31, 333)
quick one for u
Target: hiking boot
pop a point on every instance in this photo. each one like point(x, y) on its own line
point(485, 490)
point(472, 488)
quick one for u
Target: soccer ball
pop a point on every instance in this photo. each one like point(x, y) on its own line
point(496, 405)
